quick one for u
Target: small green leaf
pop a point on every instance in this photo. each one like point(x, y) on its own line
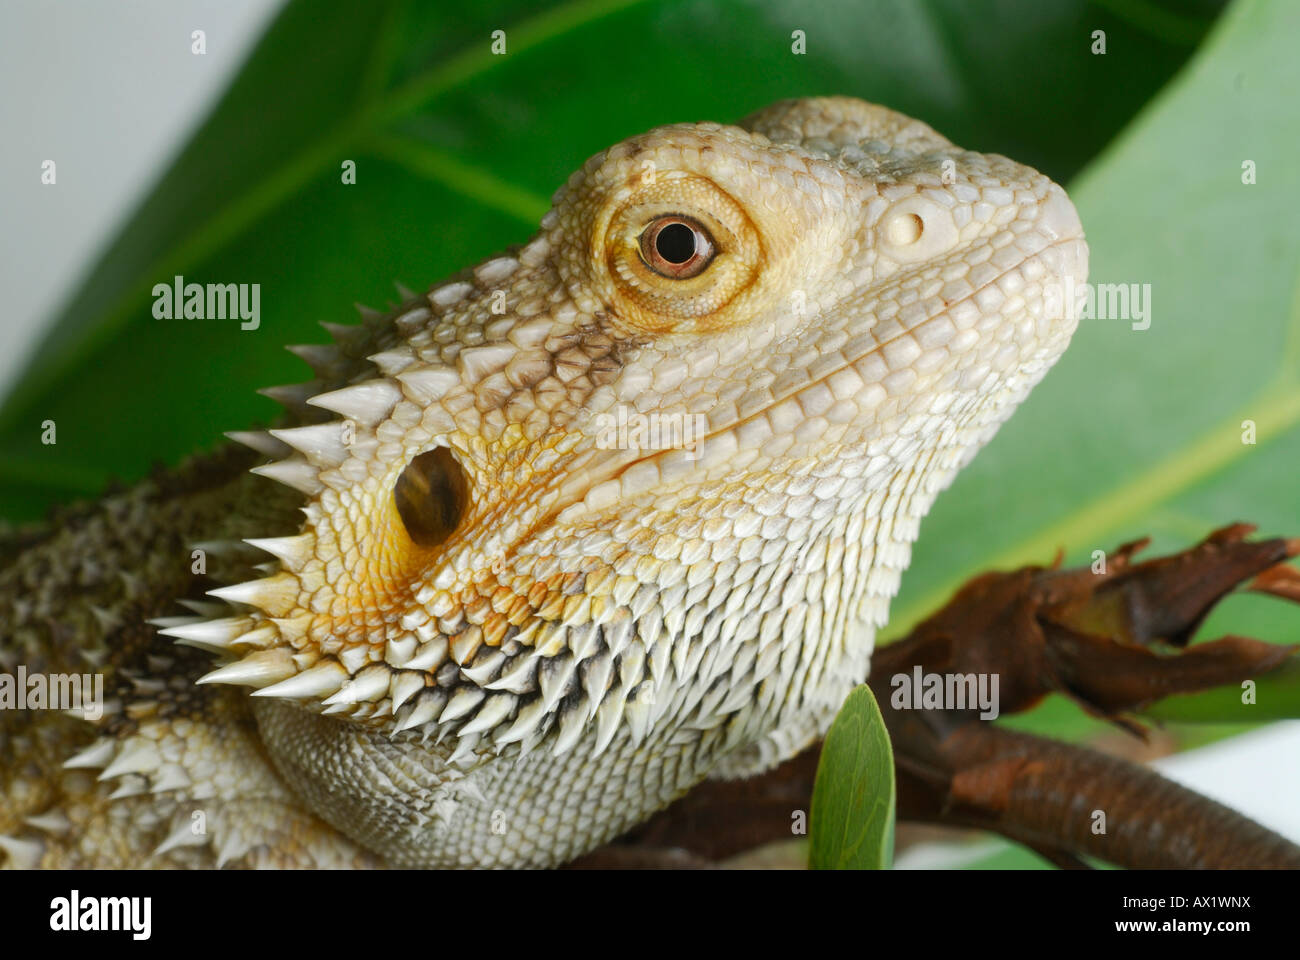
point(853, 796)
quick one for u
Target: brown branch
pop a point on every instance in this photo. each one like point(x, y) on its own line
point(1056, 798)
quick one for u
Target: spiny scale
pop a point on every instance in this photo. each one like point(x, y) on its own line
point(261, 441)
point(321, 443)
point(293, 551)
point(367, 403)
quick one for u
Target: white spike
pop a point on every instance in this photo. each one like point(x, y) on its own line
point(137, 756)
point(448, 295)
point(519, 676)
point(595, 680)
point(525, 724)
point(391, 362)
point(479, 363)
point(346, 335)
point(292, 552)
point(95, 658)
point(319, 681)
point(261, 441)
point(260, 669)
point(369, 314)
point(98, 754)
point(464, 748)
point(607, 718)
point(55, 822)
point(470, 790)
point(148, 686)
point(493, 272)
point(293, 628)
point(23, 854)
point(215, 635)
point(324, 358)
point(491, 714)
point(462, 702)
point(132, 785)
point(171, 777)
point(205, 608)
point(369, 684)
point(172, 621)
point(429, 657)
point(321, 443)
point(425, 709)
point(182, 836)
point(572, 722)
point(485, 665)
point(220, 548)
point(404, 685)
point(405, 292)
point(367, 403)
point(638, 719)
point(275, 594)
point(292, 396)
point(108, 621)
point(233, 845)
point(412, 321)
point(295, 473)
point(399, 650)
point(428, 384)
point(553, 678)
point(262, 638)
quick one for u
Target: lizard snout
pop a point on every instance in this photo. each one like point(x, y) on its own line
point(1057, 217)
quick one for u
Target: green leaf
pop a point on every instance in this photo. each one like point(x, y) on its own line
point(853, 795)
point(1140, 431)
point(456, 151)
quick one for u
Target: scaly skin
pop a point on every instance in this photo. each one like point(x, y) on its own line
point(601, 625)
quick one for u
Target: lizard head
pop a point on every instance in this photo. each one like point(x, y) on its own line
point(712, 397)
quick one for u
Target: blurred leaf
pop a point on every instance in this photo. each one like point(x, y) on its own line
point(853, 795)
point(1140, 431)
point(457, 150)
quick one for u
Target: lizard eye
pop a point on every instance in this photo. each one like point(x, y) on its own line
point(431, 496)
point(676, 254)
point(676, 247)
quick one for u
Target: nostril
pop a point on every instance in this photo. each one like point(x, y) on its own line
point(431, 495)
point(916, 228)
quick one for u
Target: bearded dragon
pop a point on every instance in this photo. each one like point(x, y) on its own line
point(480, 621)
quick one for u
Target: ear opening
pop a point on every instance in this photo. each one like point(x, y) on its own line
point(432, 495)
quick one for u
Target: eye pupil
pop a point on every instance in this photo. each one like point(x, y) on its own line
point(677, 247)
point(675, 243)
